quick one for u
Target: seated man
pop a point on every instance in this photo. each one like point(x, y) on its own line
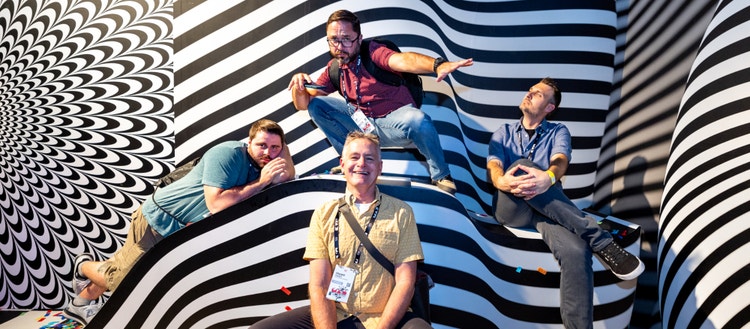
point(525, 160)
point(373, 106)
point(226, 174)
point(372, 297)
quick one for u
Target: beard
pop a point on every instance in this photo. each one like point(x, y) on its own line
point(345, 57)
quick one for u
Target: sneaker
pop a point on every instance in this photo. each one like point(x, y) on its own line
point(336, 170)
point(446, 184)
point(79, 280)
point(622, 263)
point(82, 314)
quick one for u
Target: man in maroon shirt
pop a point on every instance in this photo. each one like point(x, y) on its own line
point(370, 105)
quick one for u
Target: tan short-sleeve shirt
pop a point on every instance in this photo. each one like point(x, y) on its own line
point(394, 233)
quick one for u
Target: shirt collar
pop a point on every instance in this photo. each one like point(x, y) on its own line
point(349, 197)
point(542, 127)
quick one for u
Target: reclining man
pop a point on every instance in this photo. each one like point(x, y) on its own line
point(227, 173)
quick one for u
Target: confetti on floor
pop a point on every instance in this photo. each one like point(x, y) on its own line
point(39, 319)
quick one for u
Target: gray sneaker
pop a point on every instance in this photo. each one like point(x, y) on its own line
point(622, 263)
point(79, 280)
point(82, 314)
point(446, 184)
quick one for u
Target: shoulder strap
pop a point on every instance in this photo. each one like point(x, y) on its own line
point(334, 73)
point(374, 252)
point(153, 199)
point(381, 75)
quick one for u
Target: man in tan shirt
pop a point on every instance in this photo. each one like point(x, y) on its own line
point(348, 287)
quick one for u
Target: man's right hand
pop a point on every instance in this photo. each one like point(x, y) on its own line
point(300, 94)
point(274, 172)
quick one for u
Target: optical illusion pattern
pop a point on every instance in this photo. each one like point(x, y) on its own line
point(87, 110)
point(85, 126)
point(246, 263)
point(651, 68)
point(704, 231)
point(234, 61)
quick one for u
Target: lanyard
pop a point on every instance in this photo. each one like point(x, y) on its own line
point(533, 146)
point(367, 231)
point(357, 97)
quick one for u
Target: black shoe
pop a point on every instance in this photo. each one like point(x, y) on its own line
point(622, 263)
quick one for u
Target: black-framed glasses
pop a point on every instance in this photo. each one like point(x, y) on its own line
point(342, 42)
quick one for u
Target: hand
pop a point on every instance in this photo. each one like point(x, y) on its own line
point(448, 67)
point(274, 172)
point(298, 81)
point(531, 183)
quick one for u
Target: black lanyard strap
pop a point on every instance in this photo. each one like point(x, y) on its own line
point(345, 209)
point(533, 146)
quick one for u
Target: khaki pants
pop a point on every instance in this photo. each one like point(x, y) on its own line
point(141, 237)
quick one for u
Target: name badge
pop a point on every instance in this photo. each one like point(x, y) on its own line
point(341, 284)
point(361, 120)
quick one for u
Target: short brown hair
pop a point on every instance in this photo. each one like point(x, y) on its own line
point(558, 94)
point(269, 126)
point(346, 16)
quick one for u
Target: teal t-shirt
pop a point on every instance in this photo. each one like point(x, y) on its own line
point(225, 165)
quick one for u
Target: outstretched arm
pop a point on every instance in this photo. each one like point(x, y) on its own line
point(422, 64)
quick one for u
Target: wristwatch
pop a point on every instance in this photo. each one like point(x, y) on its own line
point(437, 63)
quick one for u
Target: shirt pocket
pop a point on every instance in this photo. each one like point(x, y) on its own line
point(386, 242)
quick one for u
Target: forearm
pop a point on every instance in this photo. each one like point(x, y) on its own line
point(226, 198)
point(495, 172)
point(323, 310)
point(412, 62)
point(558, 165)
point(397, 306)
point(401, 295)
point(289, 171)
point(300, 99)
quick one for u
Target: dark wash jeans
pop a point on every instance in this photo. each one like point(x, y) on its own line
point(571, 235)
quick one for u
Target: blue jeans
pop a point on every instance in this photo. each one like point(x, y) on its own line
point(571, 235)
point(401, 127)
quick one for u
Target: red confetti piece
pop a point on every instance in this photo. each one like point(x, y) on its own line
point(286, 291)
point(287, 308)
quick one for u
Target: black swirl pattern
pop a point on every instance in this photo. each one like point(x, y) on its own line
point(86, 126)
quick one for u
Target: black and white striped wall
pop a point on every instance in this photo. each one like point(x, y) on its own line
point(245, 263)
point(98, 98)
point(704, 229)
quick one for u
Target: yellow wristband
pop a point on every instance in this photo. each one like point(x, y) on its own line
point(551, 176)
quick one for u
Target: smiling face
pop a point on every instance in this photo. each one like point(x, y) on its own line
point(361, 163)
point(264, 147)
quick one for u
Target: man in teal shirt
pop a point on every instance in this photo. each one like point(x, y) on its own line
point(226, 174)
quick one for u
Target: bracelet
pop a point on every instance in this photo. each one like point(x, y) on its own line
point(551, 176)
point(437, 63)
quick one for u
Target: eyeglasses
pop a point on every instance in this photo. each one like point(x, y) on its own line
point(343, 42)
